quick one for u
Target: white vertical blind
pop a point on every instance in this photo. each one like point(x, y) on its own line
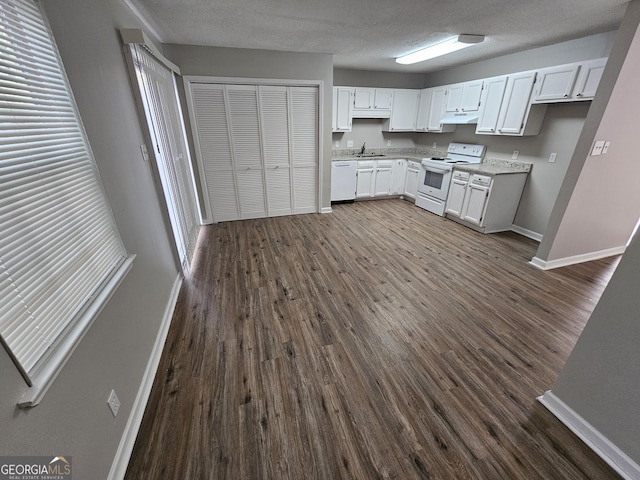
point(58, 241)
point(157, 89)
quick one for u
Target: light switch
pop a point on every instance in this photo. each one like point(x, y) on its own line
point(349, 143)
point(337, 143)
point(552, 157)
point(515, 154)
point(597, 148)
point(605, 149)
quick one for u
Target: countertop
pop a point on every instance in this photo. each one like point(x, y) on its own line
point(490, 166)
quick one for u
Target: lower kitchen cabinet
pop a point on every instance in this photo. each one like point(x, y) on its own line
point(384, 172)
point(398, 175)
point(485, 203)
point(411, 180)
point(380, 178)
point(365, 178)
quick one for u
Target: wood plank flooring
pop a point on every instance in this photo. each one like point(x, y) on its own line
point(379, 341)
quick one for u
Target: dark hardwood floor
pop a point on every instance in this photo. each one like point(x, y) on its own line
point(379, 341)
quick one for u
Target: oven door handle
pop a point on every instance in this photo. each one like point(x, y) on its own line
point(436, 170)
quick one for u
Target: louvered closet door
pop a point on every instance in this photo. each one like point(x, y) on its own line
point(303, 108)
point(245, 140)
point(275, 141)
point(214, 146)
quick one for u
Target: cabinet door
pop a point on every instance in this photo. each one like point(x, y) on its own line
point(436, 111)
point(589, 78)
point(411, 182)
point(492, 95)
point(365, 180)
point(555, 83)
point(383, 98)
point(516, 103)
point(363, 99)
point(471, 94)
point(455, 198)
point(398, 176)
point(475, 201)
point(383, 177)
point(343, 105)
point(423, 110)
point(303, 131)
point(454, 98)
point(404, 111)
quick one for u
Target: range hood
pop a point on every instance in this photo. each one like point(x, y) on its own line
point(460, 118)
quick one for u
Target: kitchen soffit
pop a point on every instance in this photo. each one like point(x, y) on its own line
point(368, 35)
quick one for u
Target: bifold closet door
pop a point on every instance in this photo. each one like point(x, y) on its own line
point(257, 148)
point(275, 140)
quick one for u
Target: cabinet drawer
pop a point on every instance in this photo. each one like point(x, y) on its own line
point(481, 180)
point(458, 175)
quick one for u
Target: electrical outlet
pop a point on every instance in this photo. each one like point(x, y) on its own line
point(349, 143)
point(597, 148)
point(605, 149)
point(515, 154)
point(435, 145)
point(337, 143)
point(388, 143)
point(114, 403)
point(145, 154)
point(552, 157)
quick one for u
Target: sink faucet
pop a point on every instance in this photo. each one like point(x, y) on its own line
point(362, 148)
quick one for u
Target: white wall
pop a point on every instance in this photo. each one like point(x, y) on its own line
point(247, 63)
point(73, 418)
point(599, 203)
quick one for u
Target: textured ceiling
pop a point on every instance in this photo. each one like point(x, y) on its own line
point(369, 34)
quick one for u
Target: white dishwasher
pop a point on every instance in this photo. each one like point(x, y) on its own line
point(343, 180)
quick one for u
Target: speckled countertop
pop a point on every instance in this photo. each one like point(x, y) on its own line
point(490, 166)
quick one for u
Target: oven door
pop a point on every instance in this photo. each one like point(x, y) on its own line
point(434, 181)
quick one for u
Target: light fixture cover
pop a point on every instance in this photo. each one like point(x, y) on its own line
point(447, 46)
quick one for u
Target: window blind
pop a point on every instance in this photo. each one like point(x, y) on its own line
point(58, 242)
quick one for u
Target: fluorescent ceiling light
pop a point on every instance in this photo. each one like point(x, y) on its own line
point(450, 45)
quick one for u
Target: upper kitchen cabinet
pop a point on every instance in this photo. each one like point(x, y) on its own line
point(342, 109)
point(404, 111)
point(464, 97)
point(569, 83)
point(431, 107)
point(372, 102)
point(515, 114)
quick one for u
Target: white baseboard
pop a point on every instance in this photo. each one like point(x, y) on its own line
point(585, 257)
point(125, 448)
point(527, 233)
point(595, 440)
point(325, 210)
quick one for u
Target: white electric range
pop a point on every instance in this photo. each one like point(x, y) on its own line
point(435, 175)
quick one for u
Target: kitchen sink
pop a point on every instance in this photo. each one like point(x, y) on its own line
point(361, 155)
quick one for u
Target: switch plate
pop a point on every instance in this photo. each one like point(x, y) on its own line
point(349, 143)
point(597, 148)
point(552, 157)
point(114, 403)
point(388, 143)
point(337, 143)
point(515, 154)
point(435, 145)
point(605, 149)
point(145, 154)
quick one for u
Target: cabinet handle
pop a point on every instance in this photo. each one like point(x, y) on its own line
point(579, 95)
point(565, 95)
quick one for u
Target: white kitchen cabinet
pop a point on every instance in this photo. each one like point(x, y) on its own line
point(589, 79)
point(485, 203)
point(457, 190)
point(383, 176)
point(403, 112)
point(516, 115)
point(365, 178)
point(464, 97)
point(475, 199)
point(424, 105)
point(492, 95)
point(436, 111)
point(342, 109)
point(411, 181)
point(569, 83)
point(555, 83)
point(398, 174)
point(372, 102)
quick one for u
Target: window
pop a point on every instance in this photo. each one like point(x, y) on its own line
point(60, 252)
